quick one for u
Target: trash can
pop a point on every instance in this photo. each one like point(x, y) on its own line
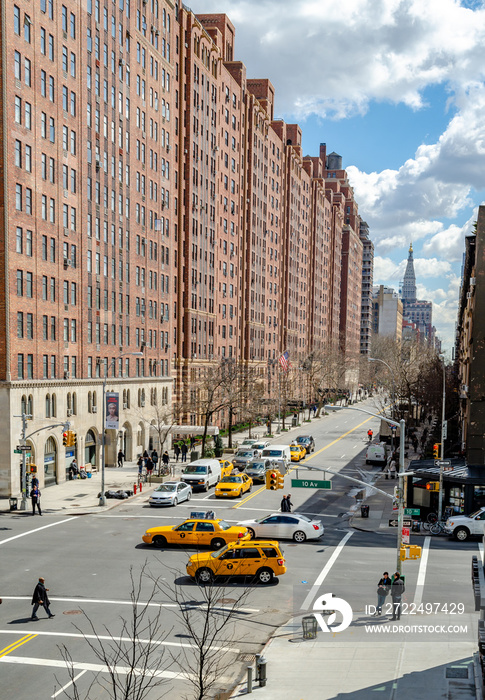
point(310, 627)
point(13, 503)
point(364, 511)
point(415, 526)
point(194, 455)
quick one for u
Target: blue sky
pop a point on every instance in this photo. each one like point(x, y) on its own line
point(396, 87)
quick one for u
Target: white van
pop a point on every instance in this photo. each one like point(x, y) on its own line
point(376, 454)
point(202, 474)
point(277, 452)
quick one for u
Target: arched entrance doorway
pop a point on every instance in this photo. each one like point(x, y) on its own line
point(90, 448)
point(50, 462)
point(128, 442)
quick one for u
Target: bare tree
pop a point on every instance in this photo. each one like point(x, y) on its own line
point(133, 662)
point(210, 623)
point(325, 369)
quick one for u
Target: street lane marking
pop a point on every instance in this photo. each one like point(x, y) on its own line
point(251, 495)
point(64, 687)
point(173, 517)
point(79, 601)
point(73, 635)
point(37, 529)
point(423, 563)
point(18, 643)
point(96, 668)
point(323, 574)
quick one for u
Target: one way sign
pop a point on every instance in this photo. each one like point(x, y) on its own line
point(393, 522)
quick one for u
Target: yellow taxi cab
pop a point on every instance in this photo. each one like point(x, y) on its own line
point(233, 486)
point(260, 559)
point(298, 452)
point(226, 467)
point(196, 531)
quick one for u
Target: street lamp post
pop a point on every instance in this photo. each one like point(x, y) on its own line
point(440, 495)
point(102, 497)
point(393, 399)
point(402, 428)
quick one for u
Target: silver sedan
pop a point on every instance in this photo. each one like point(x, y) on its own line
point(170, 493)
point(285, 525)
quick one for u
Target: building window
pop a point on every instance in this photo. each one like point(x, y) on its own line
point(20, 365)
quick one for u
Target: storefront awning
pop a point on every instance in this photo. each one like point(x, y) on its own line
point(193, 430)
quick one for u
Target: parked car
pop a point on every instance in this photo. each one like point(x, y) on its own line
point(461, 527)
point(307, 441)
point(257, 468)
point(243, 456)
point(376, 454)
point(248, 442)
point(196, 531)
point(259, 446)
point(298, 452)
point(262, 560)
point(285, 525)
point(233, 486)
point(170, 494)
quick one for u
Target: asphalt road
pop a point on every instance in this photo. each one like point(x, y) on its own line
point(87, 562)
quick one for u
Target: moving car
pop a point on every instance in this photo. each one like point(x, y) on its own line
point(259, 446)
point(233, 486)
point(248, 442)
point(261, 560)
point(256, 469)
point(461, 527)
point(307, 441)
point(202, 474)
point(196, 531)
point(170, 493)
point(226, 467)
point(298, 452)
point(243, 456)
point(285, 525)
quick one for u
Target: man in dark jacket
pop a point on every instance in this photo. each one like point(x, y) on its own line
point(397, 590)
point(289, 504)
point(284, 505)
point(35, 496)
point(184, 452)
point(40, 597)
point(121, 457)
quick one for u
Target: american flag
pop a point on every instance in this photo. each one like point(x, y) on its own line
point(285, 361)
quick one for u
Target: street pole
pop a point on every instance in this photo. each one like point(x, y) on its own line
point(23, 502)
point(401, 475)
point(440, 496)
point(400, 515)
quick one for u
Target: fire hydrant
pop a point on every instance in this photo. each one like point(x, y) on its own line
point(134, 488)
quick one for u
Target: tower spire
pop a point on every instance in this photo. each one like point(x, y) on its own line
point(409, 282)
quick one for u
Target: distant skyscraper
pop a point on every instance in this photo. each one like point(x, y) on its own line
point(409, 283)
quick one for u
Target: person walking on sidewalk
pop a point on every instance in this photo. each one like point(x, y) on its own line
point(121, 457)
point(184, 451)
point(392, 469)
point(397, 590)
point(155, 458)
point(39, 598)
point(284, 505)
point(383, 588)
point(35, 496)
point(166, 459)
point(289, 504)
point(176, 451)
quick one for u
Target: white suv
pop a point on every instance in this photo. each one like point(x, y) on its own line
point(464, 526)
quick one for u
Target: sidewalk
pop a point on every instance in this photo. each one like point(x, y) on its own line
point(354, 667)
point(80, 496)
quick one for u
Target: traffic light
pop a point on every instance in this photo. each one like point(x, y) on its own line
point(281, 480)
point(433, 486)
point(436, 450)
point(272, 480)
point(73, 442)
point(65, 439)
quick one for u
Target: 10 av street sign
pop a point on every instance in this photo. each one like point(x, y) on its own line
point(311, 484)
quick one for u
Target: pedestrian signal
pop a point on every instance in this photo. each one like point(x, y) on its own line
point(33, 469)
point(433, 486)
